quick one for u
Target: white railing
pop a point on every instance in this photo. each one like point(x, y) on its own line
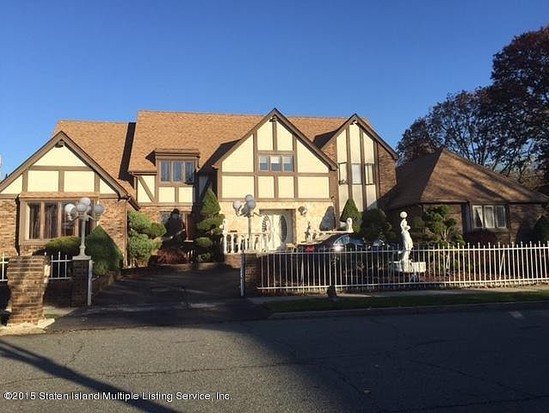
point(429, 267)
point(236, 242)
point(59, 266)
point(4, 268)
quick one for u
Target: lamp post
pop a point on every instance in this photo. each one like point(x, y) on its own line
point(246, 209)
point(83, 211)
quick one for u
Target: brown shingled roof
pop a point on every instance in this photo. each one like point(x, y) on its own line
point(213, 134)
point(105, 143)
point(444, 177)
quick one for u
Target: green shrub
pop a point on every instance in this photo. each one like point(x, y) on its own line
point(209, 232)
point(139, 222)
point(142, 235)
point(156, 230)
point(204, 242)
point(375, 226)
point(105, 253)
point(66, 245)
point(440, 226)
point(140, 249)
point(540, 232)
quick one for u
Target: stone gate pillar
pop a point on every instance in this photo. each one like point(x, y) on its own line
point(80, 270)
point(27, 278)
point(250, 269)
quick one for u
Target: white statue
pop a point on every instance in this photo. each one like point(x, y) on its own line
point(309, 232)
point(349, 225)
point(407, 242)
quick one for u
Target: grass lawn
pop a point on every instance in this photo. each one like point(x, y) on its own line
point(345, 303)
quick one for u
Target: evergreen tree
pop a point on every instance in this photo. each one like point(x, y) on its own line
point(441, 226)
point(209, 229)
point(351, 211)
point(375, 226)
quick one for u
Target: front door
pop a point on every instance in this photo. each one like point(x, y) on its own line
point(278, 226)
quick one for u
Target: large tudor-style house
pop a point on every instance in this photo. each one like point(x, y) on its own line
point(300, 170)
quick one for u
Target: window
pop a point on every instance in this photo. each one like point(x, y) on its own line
point(288, 163)
point(342, 167)
point(369, 174)
point(356, 172)
point(263, 163)
point(177, 171)
point(46, 220)
point(489, 216)
point(276, 163)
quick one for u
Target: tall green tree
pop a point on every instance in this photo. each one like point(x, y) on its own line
point(520, 94)
point(504, 126)
point(461, 123)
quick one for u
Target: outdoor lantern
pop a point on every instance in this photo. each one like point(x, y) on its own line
point(82, 211)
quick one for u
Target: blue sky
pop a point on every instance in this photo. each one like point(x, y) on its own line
point(389, 61)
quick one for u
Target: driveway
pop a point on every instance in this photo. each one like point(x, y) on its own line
point(165, 297)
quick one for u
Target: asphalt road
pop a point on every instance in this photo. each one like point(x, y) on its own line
point(491, 361)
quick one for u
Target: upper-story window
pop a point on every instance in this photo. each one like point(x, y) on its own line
point(276, 163)
point(369, 174)
point(177, 171)
point(356, 173)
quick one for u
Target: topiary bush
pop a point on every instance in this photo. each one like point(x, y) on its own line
point(65, 245)
point(351, 211)
point(143, 238)
point(209, 230)
point(105, 253)
point(156, 230)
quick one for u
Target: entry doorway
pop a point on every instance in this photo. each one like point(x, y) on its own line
point(278, 224)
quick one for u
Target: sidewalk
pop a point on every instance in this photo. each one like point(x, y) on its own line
point(191, 298)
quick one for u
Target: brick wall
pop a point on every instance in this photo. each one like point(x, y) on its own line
point(114, 221)
point(26, 283)
point(8, 220)
point(387, 171)
point(523, 218)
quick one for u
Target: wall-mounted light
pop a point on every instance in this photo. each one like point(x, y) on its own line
point(303, 210)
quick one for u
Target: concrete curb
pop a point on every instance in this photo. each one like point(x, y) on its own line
point(522, 305)
point(26, 328)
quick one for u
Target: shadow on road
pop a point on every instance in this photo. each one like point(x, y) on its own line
point(50, 367)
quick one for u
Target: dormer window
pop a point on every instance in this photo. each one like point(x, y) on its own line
point(177, 171)
point(176, 166)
